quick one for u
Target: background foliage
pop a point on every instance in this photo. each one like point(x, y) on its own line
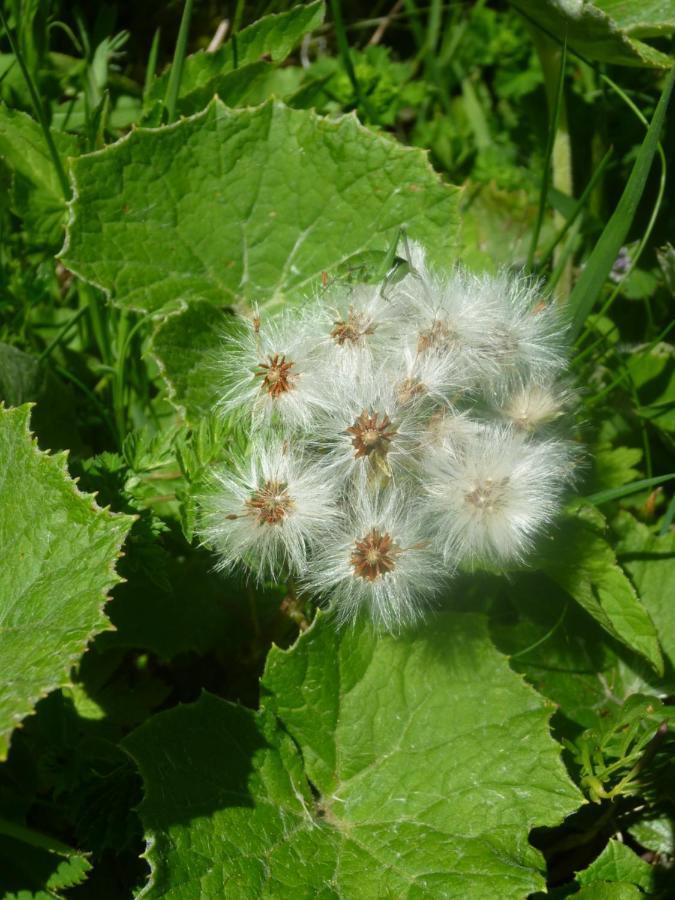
point(197, 737)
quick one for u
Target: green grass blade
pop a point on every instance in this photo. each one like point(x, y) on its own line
point(578, 208)
point(176, 73)
point(627, 489)
point(601, 260)
point(548, 157)
point(151, 67)
point(668, 518)
point(434, 22)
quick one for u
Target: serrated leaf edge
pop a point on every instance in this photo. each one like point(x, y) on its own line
point(122, 523)
point(545, 704)
point(644, 53)
point(215, 107)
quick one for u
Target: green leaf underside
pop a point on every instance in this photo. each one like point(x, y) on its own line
point(429, 758)
point(228, 71)
point(591, 32)
point(246, 204)
point(57, 549)
point(585, 566)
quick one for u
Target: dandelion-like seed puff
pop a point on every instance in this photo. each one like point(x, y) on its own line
point(397, 432)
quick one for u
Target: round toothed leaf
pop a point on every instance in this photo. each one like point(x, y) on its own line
point(232, 68)
point(246, 204)
point(378, 767)
point(58, 550)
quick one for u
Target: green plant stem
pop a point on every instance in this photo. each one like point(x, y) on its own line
point(39, 111)
point(118, 383)
point(577, 210)
point(98, 325)
point(61, 333)
point(151, 67)
point(238, 16)
point(565, 253)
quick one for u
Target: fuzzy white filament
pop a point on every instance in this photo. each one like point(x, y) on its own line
point(380, 562)
point(268, 371)
point(490, 497)
point(268, 511)
point(397, 431)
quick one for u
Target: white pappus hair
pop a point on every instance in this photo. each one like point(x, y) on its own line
point(268, 511)
point(491, 496)
point(396, 432)
point(380, 563)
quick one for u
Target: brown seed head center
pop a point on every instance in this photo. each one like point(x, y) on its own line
point(439, 337)
point(374, 555)
point(351, 329)
point(270, 503)
point(276, 375)
point(486, 495)
point(371, 433)
point(409, 389)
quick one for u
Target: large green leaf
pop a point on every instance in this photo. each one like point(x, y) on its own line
point(641, 18)
point(563, 652)
point(650, 561)
point(246, 204)
point(36, 193)
point(584, 564)
point(57, 549)
point(404, 767)
point(24, 380)
point(231, 70)
point(605, 890)
point(591, 31)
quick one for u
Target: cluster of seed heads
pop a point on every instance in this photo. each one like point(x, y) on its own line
point(397, 433)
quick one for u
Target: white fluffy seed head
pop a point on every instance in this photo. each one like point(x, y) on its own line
point(492, 497)
point(494, 326)
point(442, 321)
point(396, 431)
point(367, 435)
point(268, 511)
point(380, 564)
point(271, 370)
point(533, 406)
point(433, 380)
point(356, 325)
point(527, 337)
